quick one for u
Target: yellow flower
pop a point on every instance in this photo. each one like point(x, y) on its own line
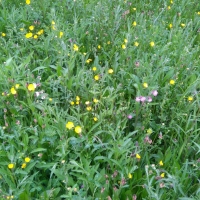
point(134, 9)
point(152, 44)
point(108, 42)
point(3, 34)
point(161, 163)
point(149, 131)
point(110, 71)
point(96, 78)
point(60, 34)
point(134, 23)
point(123, 46)
point(27, 159)
point(11, 166)
point(75, 47)
point(87, 103)
point(28, 2)
point(31, 86)
point(94, 68)
point(35, 36)
point(77, 98)
point(23, 165)
point(125, 40)
point(136, 44)
point(31, 28)
point(168, 7)
point(171, 1)
point(95, 100)
point(130, 176)
point(16, 86)
point(190, 98)
point(99, 47)
point(88, 108)
point(13, 91)
point(170, 25)
point(53, 22)
point(145, 85)
point(40, 32)
point(183, 25)
point(72, 103)
point(162, 175)
point(70, 125)
point(21, 29)
point(171, 82)
point(95, 119)
point(138, 156)
point(78, 129)
point(88, 60)
point(29, 35)
point(198, 13)
point(50, 99)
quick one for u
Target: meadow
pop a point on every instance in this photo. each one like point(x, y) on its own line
point(100, 99)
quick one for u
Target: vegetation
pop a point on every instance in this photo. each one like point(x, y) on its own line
point(100, 99)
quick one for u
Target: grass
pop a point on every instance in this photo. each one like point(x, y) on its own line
point(100, 100)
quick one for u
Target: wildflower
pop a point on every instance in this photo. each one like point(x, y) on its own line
point(134, 9)
point(70, 125)
point(138, 99)
point(95, 100)
point(95, 119)
point(162, 175)
point(136, 44)
point(155, 93)
point(31, 86)
point(3, 34)
point(171, 82)
point(182, 25)
point(21, 29)
point(138, 156)
point(99, 46)
point(190, 98)
point(149, 99)
point(149, 131)
point(13, 91)
point(11, 166)
point(77, 102)
point(96, 78)
point(152, 44)
point(129, 116)
point(87, 103)
point(134, 23)
point(53, 22)
point(198, 13)
point(123, 46)
point(72, 103)
point(29, 35)
point(31, 28)
point(145, 85)
point(35, 36)
point(77, 98)
point(50, 99)
point(161, 163)
point(130, 176)
point(27, 159)
point(171, 1)
point(63, 161)
point(94, 69)
point(88, 61)
point(108, 42)
point(78, 129)
point(125, 41)
point(75, 47)
point(28, 2)
point(88, 108)
point(23, 165)
point(168, 7)
point(170, 25)
point(40, 32)
point(60, 34)
point(110, 71)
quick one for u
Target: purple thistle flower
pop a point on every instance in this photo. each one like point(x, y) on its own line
point(155, 93)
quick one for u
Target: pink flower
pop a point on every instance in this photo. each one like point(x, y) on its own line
point(155, 93)
point(149, 99)
point(142, 99)
point(138, 99)
point(129, 116)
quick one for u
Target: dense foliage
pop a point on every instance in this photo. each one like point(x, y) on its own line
point(100, 99)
